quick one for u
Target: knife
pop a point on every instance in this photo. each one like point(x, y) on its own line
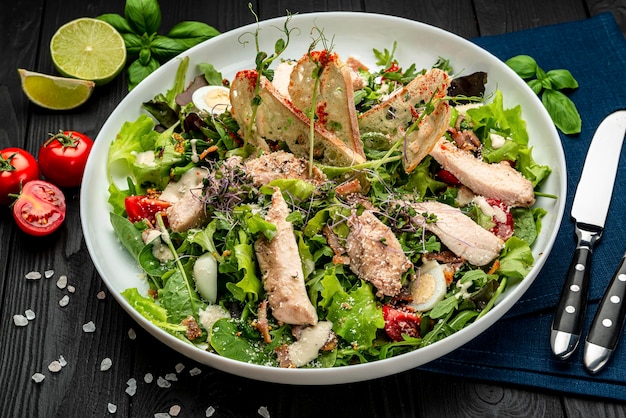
point(607, 323)
point(589, 210)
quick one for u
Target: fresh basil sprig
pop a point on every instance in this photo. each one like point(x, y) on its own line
point(549, 86)
point(144, 46)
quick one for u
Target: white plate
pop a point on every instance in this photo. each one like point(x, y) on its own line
point(354, 34)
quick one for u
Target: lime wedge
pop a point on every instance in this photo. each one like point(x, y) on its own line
point(57, 93)
point(88, 49)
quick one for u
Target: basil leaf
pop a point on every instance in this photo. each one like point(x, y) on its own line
point(191, 30)
point(535, 86)
point(118, 22)
point(164, 48)
point(137, 72)
point(144, 16)
point(562, 111)
point(523, 65)
point(562, 79)
point(133, 44)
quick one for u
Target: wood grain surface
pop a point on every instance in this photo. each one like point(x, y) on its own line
point(81, 389)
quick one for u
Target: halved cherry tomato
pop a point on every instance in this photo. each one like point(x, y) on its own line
point(17, 167)
point(400, 321)
point(447, 177)
point(503, 228)
point(144, 207)
point(62, 158)
point(40, 208)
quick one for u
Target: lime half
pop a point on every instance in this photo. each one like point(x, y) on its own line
point(88, 49)
point(57, 93)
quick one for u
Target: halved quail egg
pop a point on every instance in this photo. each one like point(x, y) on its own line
point(212, 99)
point(429, 286)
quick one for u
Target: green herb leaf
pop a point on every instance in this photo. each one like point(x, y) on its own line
point(137, 72)
point(144, 16)
point(523, 65)
point(133, 43)
point(562, 111)
point(561, 79)
point(211, 75)
point(118, 22)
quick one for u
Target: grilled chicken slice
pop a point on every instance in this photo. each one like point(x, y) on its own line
point(376, 254)
point(281, 266)
point(458, 232)
point(499, 180)
point(281, 165)
point(394, 116)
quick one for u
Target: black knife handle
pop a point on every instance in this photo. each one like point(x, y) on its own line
point(570, 312)
point(609, 320)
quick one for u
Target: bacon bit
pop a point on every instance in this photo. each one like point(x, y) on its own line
point(448, 274)
point(331, 344)
point(261, 323)
point(153, 294)
point(180, 143)
point(226, 253)
point(494, 267)
point(193, 330)
point(203, 154)
point(282, 353)
point(153, 193)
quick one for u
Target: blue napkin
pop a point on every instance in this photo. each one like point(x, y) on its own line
point(517, 348)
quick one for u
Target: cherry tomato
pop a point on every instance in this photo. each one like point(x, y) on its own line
point(144, 207)
point(17, 167)
point(504, 226)
point(40, 208)
point(448, 178)
point(62, 158)
point(400, 321)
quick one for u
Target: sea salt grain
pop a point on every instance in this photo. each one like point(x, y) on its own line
point(30, 315)
point(38, 377)
point(71, 289)
point(20, 320)
point(162, 383)
point(62, 282)
point(64, 301)
point(101, 295)
point(171, 377)
point(195, 371)
point(132, 334)
point(105, 364)
point(55, 366)
point(148, 378)
point(264, 412)
point(132, 386)
point(62, 361)
point(48, 273)
point(209, 412)
point(112, 408)
point(179, 367)
point(175, 410)
point(33, 275)
point(89, 327)
point(162, 415)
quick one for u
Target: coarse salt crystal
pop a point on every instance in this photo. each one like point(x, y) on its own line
point(101, 295)
point(62, 361)
point(112, 408)
point(55, 366)
point(62, 282)
point(71, 289)
point(132, 334)
point(148, 378)
point(33, 275)
point(195, 371)
point(132, 386)
point(48, 273)
point(64, 301)
point(171, 377)
point(89, 327)
point(162, 383)
point(30, 315)
point(209, 412)
point(179, 367)
point(20, 320)
point(38, 377)
point(161, 415)
point(175, 410)
point(264, 412)
point(105, 364)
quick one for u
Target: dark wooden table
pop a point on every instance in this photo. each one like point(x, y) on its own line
point(81, 388)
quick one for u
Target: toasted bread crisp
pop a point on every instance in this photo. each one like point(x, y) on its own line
point(277, 119)
point(394, 116)
point(334, 102)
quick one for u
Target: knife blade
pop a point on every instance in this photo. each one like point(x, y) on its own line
point(589, 210)
point(608, 322)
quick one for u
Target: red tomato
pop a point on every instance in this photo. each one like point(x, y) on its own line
point(40, 208)
point(144, 207)
point(62, 158)
point(448, 178)
point(17, 167)
point(503, 228)
point(399, 322)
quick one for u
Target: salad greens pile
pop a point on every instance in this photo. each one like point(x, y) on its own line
point(236, 208)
